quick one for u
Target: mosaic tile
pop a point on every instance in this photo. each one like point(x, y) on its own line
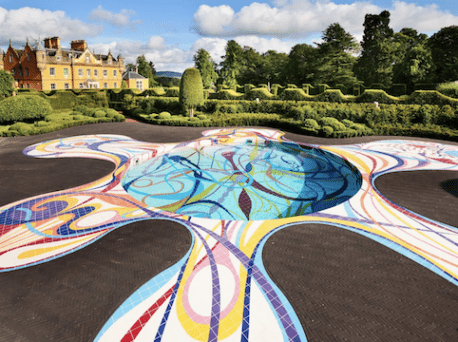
point(220, 289)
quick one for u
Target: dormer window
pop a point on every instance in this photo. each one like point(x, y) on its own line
point(11, 58)
point(87, 59)
point(58, 58)
point(28, 57)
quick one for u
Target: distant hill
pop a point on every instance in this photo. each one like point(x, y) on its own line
point(169, 74)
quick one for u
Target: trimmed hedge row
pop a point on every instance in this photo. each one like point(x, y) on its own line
point(81, 115)
point(20, 108)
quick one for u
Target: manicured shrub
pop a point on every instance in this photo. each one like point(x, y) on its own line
point(24, 107)
point(173, 92)
point(293, 94)
point(327, 131)
point(191, 90)
point(202, 117)
point(228, 94)
point(331, 95)
point(373, 95)
point(311, 124)
point(332, 122)
point(258, 93)
point(164, 115)
point(100, 114)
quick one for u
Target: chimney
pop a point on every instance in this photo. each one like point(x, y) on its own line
point(78, 45)
point(52, 43)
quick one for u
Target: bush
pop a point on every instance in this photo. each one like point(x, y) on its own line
point(173, 92)
point(331, 95)
point(100, 114)
point(380, 96)
point(327, 131)
point(293, 94)
point(332, 122)
point(202, 117)
point(164, 115)
point(228, 94)
point(24, 107)
point(258, 93)
point(311, 124)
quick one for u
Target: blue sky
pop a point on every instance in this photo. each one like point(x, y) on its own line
point(169, 32)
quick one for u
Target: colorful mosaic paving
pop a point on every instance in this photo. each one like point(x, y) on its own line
point(220, 289)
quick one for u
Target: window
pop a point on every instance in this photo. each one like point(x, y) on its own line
point(21, 86)
point(105, 73)
point(115, 85)
point(58, 58)
point(66, 86)
point(114, 73)
point(66, 72)
point(88, 72)
point(11, 58)
point(140, 85)
point(53, 86)
point(52, 72)
point(20, 71)
point(96, 73)
point(87, 59)
point(27, 86)
point(105, 85)
point(28, 57)
point(80, 72)
point(26, 71)
point(14, 71)
point(81, 85)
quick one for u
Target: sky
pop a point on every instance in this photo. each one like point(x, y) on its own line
point(169, 32)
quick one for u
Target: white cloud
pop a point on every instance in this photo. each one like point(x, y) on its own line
point(119, 20)
point(428, 19)
point(30, 22)
point(302, 18)
point(262, 45)
point(164, 57)
point(216, 47)
point(209, 21)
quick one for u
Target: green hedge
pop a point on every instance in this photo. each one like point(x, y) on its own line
point(24, 107)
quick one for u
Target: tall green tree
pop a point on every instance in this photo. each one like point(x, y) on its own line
point(206, 66)
point(251, 67)
point(273, 65)
point(191, 90)
point(231, 66)
point(337, 58)
point(375, 65)
point(301, 65)
point(144, 69)
point(444, 50)
point(6, 83)
point(413, 60)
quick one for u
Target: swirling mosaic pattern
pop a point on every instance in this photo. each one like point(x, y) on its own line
point(243, 181)
point(220, 289)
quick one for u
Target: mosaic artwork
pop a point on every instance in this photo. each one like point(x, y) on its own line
point(232, 189)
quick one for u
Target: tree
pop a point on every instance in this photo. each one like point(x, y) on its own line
point(204, 63)
point(250, 71)
point(301, 65)
point(336, 56)
point(413, 62)
point(191, 90)
point(6, 83)
point(231, 65)
point(444, 50)
point(124, 84)
point(375, 65)
point(273, 65)
point(144, 69)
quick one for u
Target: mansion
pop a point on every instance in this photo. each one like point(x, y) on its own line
point(51, 67)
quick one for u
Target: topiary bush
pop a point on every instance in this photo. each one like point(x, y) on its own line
point(191, 90)
point(293, 94)
point(164, 115)
point(327, 131)
point(258, 93)
point(332, 122)
point(100, 114)
point(24, 107)
point(172, 92)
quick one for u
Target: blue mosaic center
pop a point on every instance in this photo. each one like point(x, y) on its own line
point(244, 181)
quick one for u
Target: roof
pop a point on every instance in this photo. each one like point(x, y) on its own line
point(131, 75)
